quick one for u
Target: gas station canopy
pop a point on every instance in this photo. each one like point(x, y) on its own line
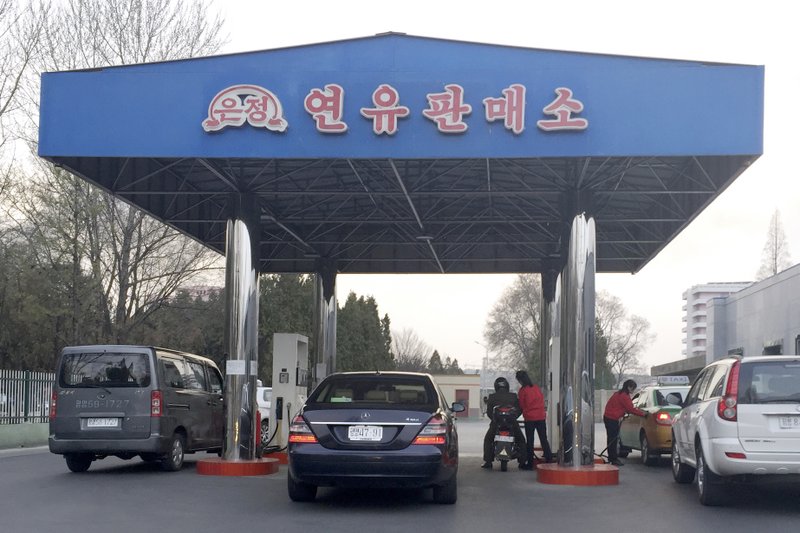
point(408, 154)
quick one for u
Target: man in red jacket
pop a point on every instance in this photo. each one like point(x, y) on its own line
point(618, 405)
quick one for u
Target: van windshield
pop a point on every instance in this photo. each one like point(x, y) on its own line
point(107, 369)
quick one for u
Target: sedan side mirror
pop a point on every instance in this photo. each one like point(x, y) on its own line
point(457, 407)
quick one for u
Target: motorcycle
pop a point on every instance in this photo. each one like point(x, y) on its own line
point(506, 448)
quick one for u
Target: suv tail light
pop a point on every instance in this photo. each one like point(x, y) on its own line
point(53, 403)
point(726, 408)
point(299, 432)
point(663, 418)
point(156, 403)
point(433, 433)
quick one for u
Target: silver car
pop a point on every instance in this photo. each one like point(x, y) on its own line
point(740, 422)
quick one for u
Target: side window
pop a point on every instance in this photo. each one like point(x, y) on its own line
point(716, 383)
point(172, 373)
point(214, 380)
point(196, 375)
point(694, 392)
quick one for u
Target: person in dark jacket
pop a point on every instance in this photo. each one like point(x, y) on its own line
point(502, 396)
point(531, 401)
point(618, 406)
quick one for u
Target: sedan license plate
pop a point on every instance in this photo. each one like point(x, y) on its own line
point(102, 422)
point(503, 438)
point(789, 422)
point(368, 433)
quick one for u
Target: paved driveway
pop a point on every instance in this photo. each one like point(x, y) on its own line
point(38, 494)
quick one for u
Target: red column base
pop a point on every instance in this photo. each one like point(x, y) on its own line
point(282, 457)
point(241, 467)
point(585, 476)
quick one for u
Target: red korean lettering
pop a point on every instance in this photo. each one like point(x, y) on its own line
point(510, 108)
point(326, 106)
point(386, 112)
point(447, 109)
point(562, 109)
point(245, 103)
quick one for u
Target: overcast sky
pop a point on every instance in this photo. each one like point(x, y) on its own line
point(724, 243)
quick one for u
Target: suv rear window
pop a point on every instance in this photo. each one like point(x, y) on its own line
point(769, 382)
point(378, 389)
point(105, 369)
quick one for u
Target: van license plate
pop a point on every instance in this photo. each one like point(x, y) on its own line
point(102, 422)
point(790, 422)
point(369, 433)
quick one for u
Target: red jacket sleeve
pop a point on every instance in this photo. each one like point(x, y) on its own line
point(629, 408)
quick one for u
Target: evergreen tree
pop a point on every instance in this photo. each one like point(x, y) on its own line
point(435, 365)
point(362, 337)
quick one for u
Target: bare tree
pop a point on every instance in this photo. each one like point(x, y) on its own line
point(775, 256)
point(512, 328)
point(627, 335)
point(132, 262)
point(410, 351)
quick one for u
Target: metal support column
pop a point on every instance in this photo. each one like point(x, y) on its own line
point(324, 319)
point(241, 333)
point(576, 381)
point(550, 322)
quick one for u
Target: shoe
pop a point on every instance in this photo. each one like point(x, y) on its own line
point(487, 464)
point(617, 462)
point(526, 466)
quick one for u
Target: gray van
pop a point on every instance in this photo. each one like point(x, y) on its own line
point(134, 400)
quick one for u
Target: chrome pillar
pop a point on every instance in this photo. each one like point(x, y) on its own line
point(576, 410)
point(547, 315)
point(241, 318)
point(554, 353)
point(324, 319)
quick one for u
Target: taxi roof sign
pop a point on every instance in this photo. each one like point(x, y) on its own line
point(672, 380)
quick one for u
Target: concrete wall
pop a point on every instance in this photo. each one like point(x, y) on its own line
point(23, 435)
point(765, 314)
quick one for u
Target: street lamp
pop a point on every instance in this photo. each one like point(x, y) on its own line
point(484, 365)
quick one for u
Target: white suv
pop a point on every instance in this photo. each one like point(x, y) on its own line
point(740, 420)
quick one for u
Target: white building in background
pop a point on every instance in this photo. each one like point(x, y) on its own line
point(762, 319)
point(695, 318)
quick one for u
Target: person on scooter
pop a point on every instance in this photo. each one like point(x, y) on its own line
point(618, 406)
point(502, 396)
point(531, 400)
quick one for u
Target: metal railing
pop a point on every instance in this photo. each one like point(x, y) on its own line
point(25, 396)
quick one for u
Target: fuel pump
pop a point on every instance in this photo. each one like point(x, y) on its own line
point(290, 380)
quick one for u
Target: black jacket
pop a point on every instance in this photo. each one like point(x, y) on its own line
point(500, 398)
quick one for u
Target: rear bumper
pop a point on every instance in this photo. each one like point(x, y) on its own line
point(661, 441)
point(153, 444)
point(754, 463)
point(416, 466)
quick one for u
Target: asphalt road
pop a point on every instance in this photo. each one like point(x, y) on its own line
point(39, 494)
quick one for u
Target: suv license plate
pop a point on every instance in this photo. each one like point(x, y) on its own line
point(102, 422)
point(369, 433)
point(789, 422)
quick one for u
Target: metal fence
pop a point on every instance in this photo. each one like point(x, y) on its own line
point(25, 396)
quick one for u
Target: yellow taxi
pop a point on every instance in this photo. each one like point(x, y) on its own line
point(653, 435)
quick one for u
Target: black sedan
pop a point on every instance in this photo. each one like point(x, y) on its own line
point(375, 429)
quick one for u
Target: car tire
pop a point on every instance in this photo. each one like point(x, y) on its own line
point(299, 491)
point(647, 455)
point(448, 493)
point(682, 473)
point(709, 486)
point(172, 461)
point(264, 432)
point(78, 462)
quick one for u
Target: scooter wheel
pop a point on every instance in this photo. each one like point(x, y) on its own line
point(503, 466)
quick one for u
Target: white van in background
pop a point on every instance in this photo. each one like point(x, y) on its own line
point(264, 402)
